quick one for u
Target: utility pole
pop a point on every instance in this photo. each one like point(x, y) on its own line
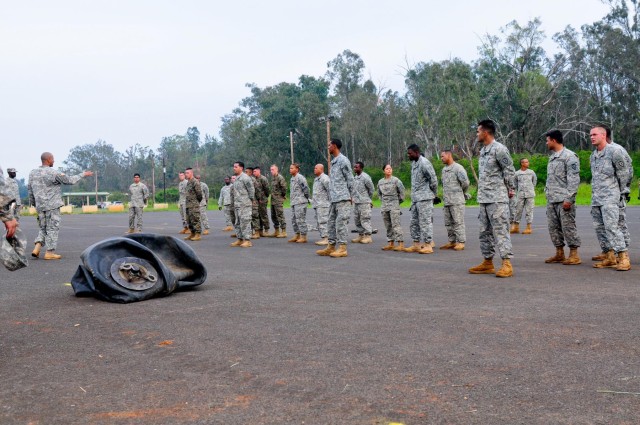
point(291, 141)
point(153, 179)
point(164, 181)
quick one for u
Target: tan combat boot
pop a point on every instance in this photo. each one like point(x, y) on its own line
point(130, 231)
point(426, 249)
point(366, 239)
point(255, 235)
point(599, 257)
point(527, 231)
point(608, 262)
point(624, 263)
point(246, 244)
point(448, 245)
point(196, 237)
point(432, 244)
point(205, 232)
point(573, 258)
point(271, 235)
point(227, 229)
point(340, 252)
point(282, 234)
point(399, 246)
point(302, 239)
point(358, 239)
point(413, 248)
point(506, 270)
point(323, 242)
point(294, 238)
point(237, 243)
point(191, 235)
point(36, 250)
point(486, 267)
point(326, 251)
point(459, 246)
point(233, 235)
point(388, 246)
point(515, 228)
point(558, 258)
point(50, 255)
point(184, 231)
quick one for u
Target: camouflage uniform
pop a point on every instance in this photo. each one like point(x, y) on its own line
point(262, 197)
point(255, 215)
point(391, 193)
point(424, 186)
point(525, 182)
point(563, 178)
point(13, 191)
point(45, 192)
point(494, 182)
point(513, 204)
point(224, 201)
point(182, 186)
point(299, 198)
point(320, 202)
point(609, 180)
point(340, 193)
point(455, 183)
point(139, 195)
point(622, 217)
point(362, 192)
point(5, 200)
point(243, 196)
point(278, 195)
point(193, 197)
point(204, 220)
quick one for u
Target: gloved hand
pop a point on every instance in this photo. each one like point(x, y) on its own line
point(437, 200)
point(467, 196)
point(219, 208)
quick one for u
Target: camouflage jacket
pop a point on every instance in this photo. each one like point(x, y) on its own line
point(340, 179)
point(362, 189)
point(182, 187)
point(278, 190)
point(5, 201)
point(455, 183)
point(139, 195)
point(262, 189)
point(320, 191)
point(243, 191)
point(496, 174)
point(424, 182)
point(391, 193)
point(563, 177)
point(205, 194)
point(525, 183)
point(45, 187)
point(193, 193)
point(225, 196)
point(609, 176)
point(12, 189)
point(299, 190)
point(627, 161)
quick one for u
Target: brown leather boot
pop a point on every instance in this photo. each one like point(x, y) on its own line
point(50, 255)
point(36, 250)
point(624, 263)
point(191, 235)
point(558, 258)
point(340, 252)
point(426, 249)
point(366, 239)
point(282, 234)
point(196, 237)
point(599, 257)
point(294, 238)
point(255, 235)
point(515, 228)
point(358, 239)
point(609, 261)
point(237, 243)
point(184, 231)
point(246, 244)
point(323, 242)
point(573, 258)
point(459, 246)
point(205, 232)
point(326, 251)
point(448, 245)
point(302, 239)
point(399, 246)
point(527, 231)
point(413, 248)
point(388, 246)
point(506, 270)
point(486, 267)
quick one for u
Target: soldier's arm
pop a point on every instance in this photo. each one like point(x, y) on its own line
point(572, 169)
point(534, 178)
point(220, 198)
point(305, 188)
point(62, 178)
point(348, 175)
point(267, 189)
point(368, 184)
point(506, 164)
point(251, 191)
point(198, 190)
point(32, 199)
point(401, 190)
point(430, 172)
point(621, 170)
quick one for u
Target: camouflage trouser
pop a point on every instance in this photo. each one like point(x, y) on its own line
point(338, 223)
point(512, 208)
point(49, 223)
point(264, 217)
point(15, 211)
point(299, 218)
point(255, 217)
point(229, 215)
point(203, 217)
point(421, 225)
point(527, 205)
point(243, 222)
point(454, 223)
point(322, 217)
point(605, 222)
point(193, 219)
point(494, 230)
point(622, 223)
point(392, 224)
point(135, 217)
point(183, 214)
point(362, 218)
point(277, 216)
point(562, 225)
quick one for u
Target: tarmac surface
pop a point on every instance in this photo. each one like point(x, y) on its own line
point(280, 335)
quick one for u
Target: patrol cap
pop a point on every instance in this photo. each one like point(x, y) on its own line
point(12, 251)
point(11, 170)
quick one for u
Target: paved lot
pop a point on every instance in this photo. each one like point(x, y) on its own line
point(280, 335)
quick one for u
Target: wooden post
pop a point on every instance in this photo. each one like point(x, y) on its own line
point(291, 140)
point(328, 141)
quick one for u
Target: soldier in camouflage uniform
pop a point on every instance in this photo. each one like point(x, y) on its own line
point(320, 202)
point(455, 183)
point(224, 201)
point(563, 179)
point(181, 202)
point(13, 191)
point(299, 198)
point(243, 197)
point(362, 193)
point(341, 196)
point(193, 197)
point(45, 192)
point(609, 184)
point(139, 196)
point(391, 193)
point(278, 196)
point(9, 221)
point(495, 183)
point(204, 219)
point(525, 182)
point(262, 197)
point(424, 186)
point(255, 216)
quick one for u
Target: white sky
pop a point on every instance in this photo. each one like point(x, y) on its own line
point(75, 71)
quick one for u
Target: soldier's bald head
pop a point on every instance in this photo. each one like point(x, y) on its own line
point(46, 157)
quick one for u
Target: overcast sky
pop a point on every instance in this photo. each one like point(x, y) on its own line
point(73, 72)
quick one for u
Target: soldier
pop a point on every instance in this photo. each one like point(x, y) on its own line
point(45, 192)
point(255, 217)
point(455, 183)
point(563, 178)
point(139, 196)
point(224, 201)
point(362, 193)
point(12, 189)
point(299, 199)
point(424, 186)
point(609, 180)
point(204, 219)
point(525, 182)
point(320, 202)
point(495, 183)
point(278, 196)
point(243, 196)
point(391, 193)
point(9, 221)
point(262, 197)
point(181, 202)
point(193, 198)
point(341, 197)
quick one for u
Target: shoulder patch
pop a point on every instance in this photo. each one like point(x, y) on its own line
point(574, 166)
point(505, 161)
point(620, 164)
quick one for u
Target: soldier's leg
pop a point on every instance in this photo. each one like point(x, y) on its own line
point(331, 223)
point(414, 223)
point(512, 208)
point(396, 227)
point(237, 225)
point(528, 209)
point(622, 223)
point(255, 217)
point(139, 212)
point(274, 217)
point(568, 224)
point(598, 226)
point(425, 212)
point(457, 215)
point(357, 219)
point(365, 218)
point(301, 218)
point(448, 223)
point(610, 216)
point(183, 214)
point(245, 222)
point(386, 219)
point(519, 207)
point(196, 218)
point(323, 218)
point(264, 217)
point(343, 211)
point(281, 220)
point(204, 219)
point(500, 223)
point(42, 227)
point(53, 218)
point(555, 225)
point(132, 217)
point(232, 215)
point(227, 216)
point(486, 231)
point(294, 219)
